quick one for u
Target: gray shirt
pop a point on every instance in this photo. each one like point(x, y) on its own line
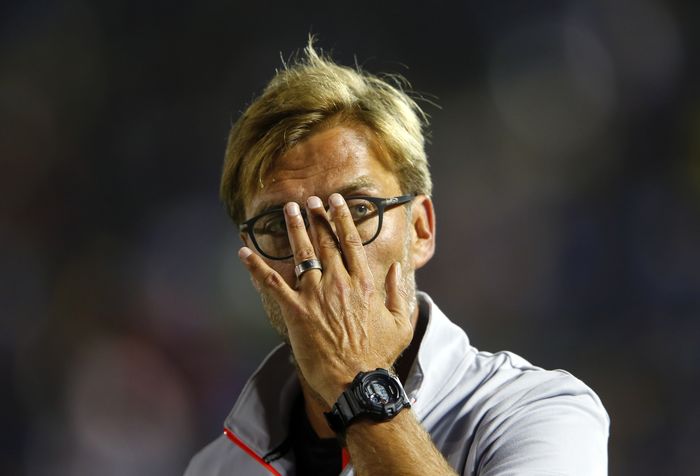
point(489, 414)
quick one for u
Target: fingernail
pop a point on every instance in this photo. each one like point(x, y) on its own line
point(314, 202)
point(244, 252)
point(336, 200)
point(292, 209)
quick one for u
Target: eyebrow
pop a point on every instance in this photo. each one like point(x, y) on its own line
point(363, 182)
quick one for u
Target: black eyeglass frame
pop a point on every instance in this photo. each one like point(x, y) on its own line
point(381, 203)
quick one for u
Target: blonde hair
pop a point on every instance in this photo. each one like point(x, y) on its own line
point(312, 92)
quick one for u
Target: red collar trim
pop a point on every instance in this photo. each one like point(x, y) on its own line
point(250, 452)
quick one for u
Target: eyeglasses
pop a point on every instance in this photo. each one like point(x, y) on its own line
point(268, 231)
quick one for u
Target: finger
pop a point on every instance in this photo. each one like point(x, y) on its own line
point(323, 236)
point(266, 277)
point(396, 302)
point(299, 240)
point(350, 240)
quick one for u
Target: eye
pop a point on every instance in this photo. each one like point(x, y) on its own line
point(361, 209)
point(272, 224)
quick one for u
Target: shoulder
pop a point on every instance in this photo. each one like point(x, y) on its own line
point(495, 392)
point(255, 424)
point(210, 459)
point(223, 457)
point(507, 381)
point(533, 419)
point(511, 378)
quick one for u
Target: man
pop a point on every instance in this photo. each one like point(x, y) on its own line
point(327, 178)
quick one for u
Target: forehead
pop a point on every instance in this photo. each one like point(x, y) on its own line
point(342, 159)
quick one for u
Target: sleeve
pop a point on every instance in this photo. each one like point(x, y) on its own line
point(547, 433)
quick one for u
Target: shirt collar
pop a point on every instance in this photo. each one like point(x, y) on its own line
point(261, 414)
point(443, 351)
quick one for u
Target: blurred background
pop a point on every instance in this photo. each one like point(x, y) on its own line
point(566, 162)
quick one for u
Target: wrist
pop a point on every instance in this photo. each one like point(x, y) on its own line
point(333, 386)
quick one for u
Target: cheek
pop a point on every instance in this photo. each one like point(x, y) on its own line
point(388, 248)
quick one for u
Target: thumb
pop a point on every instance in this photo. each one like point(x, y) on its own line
point(395, 300)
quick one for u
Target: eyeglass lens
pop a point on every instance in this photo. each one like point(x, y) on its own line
point(270, 230)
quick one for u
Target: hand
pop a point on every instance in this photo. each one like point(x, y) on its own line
point(339, 323)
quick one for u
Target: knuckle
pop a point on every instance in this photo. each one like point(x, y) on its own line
point(305, 252)
point(328, 243)
point(272, 279)
point(295, 223)
point(339, 287)
point(353, 239)
point(366, 285)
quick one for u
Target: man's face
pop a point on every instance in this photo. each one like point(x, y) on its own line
point(339, 159)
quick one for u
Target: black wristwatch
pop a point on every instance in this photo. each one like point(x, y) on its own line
point(377, 395)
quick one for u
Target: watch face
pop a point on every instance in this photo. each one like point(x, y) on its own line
point(381, 390)
point(378, 393)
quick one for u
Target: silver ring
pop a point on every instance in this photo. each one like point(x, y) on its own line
point(306, 265)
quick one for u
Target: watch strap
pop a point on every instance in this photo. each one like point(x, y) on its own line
point(345, 410)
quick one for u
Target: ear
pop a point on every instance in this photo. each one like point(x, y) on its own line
point(423, 222)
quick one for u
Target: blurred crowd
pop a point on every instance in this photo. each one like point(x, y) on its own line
point(565, 152)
